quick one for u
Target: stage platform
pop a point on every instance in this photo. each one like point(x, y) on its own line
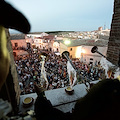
point(59, 98)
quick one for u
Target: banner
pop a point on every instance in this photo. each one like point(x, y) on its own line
point(43, 73)
point(72, 74)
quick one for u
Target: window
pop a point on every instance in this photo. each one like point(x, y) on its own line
point(91, 62)
point(14, 53)
point(16, 44)
point(70, 49)
point(28, 45)
point(91, 58)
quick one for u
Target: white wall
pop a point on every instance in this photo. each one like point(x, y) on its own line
point(63, 48)
point(88, 54)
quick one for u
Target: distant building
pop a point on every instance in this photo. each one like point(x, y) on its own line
point(18, 41)
point(100, 28)
point(32, 35)
point(41, 41)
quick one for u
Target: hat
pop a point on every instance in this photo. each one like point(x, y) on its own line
point(12, 18)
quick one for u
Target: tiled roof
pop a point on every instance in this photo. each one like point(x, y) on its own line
point(49, 37)
point(99, 42)
point(17, 36)
point(38, 38)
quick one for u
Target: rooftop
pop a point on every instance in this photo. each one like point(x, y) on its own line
point(17, 36)
point(88, 42)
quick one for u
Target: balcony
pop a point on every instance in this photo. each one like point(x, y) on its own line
point(59, 98)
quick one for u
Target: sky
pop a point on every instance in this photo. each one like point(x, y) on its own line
point(65, 15)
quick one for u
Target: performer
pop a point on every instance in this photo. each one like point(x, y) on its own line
point(17, 21)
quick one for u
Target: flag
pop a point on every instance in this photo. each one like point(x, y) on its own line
point(43, 72)
point(72, 74)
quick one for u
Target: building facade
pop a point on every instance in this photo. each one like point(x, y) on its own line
point(113, 52)
point(84, 53)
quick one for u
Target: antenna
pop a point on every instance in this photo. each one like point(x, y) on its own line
point(105, 26)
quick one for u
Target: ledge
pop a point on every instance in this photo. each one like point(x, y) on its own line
point(59, 98)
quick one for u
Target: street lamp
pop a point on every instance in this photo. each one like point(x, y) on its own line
point(67, 42)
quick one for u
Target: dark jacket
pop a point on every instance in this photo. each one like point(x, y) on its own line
point(45, 111)
point(101, 103)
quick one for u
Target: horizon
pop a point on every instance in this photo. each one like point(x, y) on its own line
point(17, 32)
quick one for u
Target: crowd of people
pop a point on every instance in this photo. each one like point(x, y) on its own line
point(29, 71)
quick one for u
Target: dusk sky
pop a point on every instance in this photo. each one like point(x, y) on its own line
point(66, 15)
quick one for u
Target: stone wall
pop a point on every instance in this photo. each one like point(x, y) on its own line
point(13, 68)
point(11, 90)
point(113, 53)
